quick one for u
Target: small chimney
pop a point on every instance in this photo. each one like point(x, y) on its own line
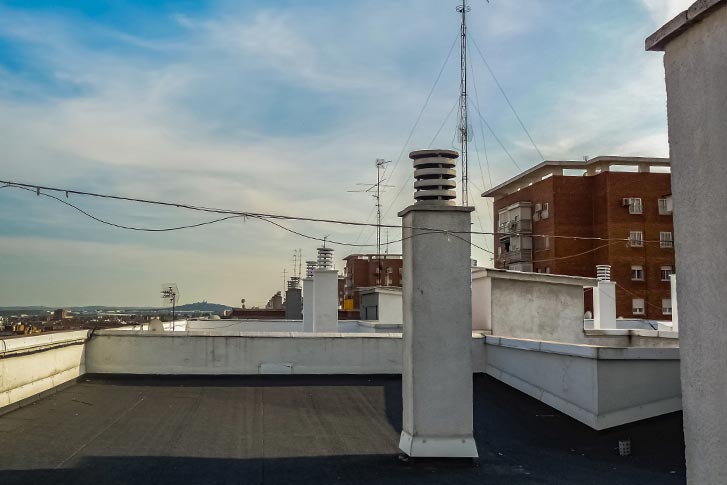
point(603, 272)
point(434, 174)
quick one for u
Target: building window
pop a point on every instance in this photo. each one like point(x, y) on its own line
point(666, 240)
point(666, 306)
point(545, 213)
point(635, 205)
point(666, 272)
point(664, 207)
point(637, 273)
point(636, 239)
point(542, 242)
point(637, 306)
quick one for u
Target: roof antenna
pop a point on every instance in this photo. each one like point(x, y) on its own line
point(463, 127)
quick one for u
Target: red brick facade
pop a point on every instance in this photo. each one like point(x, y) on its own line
point(366, 270)
point(591, 206)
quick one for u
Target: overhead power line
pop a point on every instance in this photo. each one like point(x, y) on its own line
point(38, 189)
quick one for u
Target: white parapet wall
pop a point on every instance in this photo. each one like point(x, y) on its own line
point(601, 387)
point(547, 307)
point(122, 352)
point(33, 365)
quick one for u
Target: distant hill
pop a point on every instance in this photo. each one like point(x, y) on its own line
point(202, 306)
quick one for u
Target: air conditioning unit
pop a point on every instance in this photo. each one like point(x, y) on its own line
point(538, 207)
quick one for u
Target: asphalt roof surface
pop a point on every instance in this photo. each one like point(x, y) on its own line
point(308, 429)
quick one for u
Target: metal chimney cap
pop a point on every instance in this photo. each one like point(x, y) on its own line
point(416, 154)
point(434, 176)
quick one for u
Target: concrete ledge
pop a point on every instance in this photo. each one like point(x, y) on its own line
point(626, 332)
point(533, 277)
point(37, 364)
point(682, 22)
point(438, 446)
point(40, 341)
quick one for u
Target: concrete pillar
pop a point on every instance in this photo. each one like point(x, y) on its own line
point(308, 297)
point(437, 330)
point(293, 304)
point(674, 311)
point(325, 300)
point(604, 305)
point(696, 68)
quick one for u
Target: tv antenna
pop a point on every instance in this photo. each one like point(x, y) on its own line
point(463, 127)
point(297, 262)
point(170, 295)
point(375, 191)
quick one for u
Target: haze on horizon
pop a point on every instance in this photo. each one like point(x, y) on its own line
point(281, 107)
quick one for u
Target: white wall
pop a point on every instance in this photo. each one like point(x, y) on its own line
point(113, 351)
point(696, 74)
point(35, 364)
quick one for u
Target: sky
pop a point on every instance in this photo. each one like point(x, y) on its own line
point(283, 107)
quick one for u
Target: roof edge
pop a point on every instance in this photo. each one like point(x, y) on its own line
point(681, 23)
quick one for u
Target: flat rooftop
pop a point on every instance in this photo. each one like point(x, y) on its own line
point(308, 429)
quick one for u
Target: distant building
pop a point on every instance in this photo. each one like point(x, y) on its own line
point(542, 210)
point(275, 302)
point(60, 314)
point(367, 270)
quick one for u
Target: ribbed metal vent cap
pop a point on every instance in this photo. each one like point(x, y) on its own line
point(310, 266)
point(434, 174)
point(325, 258)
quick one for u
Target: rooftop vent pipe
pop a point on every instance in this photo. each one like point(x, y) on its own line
point(434, 174)
point(325, 258)
point(309, 267)
point(603, 272)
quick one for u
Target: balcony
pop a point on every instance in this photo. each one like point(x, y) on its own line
point(508, 229)
point(520, 255)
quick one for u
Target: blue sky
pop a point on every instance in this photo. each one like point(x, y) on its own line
point(281, 107)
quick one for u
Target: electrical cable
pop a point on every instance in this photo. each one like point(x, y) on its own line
point(264, 216)
point(504, 95)
point(416, 123)
point(443, 123)
point(576, 255)
point(497, 139)
point(132, 228)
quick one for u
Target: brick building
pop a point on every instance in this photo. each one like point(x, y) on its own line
point(542, 210)
point(366, 270)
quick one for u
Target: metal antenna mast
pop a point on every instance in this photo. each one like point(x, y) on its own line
point(380, 165)
point(463, 126)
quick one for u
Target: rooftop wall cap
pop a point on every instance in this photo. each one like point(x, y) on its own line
point(557, 279)
point(587, 351)
point(681, 23)
point(392, 290)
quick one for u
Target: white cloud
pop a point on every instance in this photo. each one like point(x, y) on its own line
point(664, 10)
